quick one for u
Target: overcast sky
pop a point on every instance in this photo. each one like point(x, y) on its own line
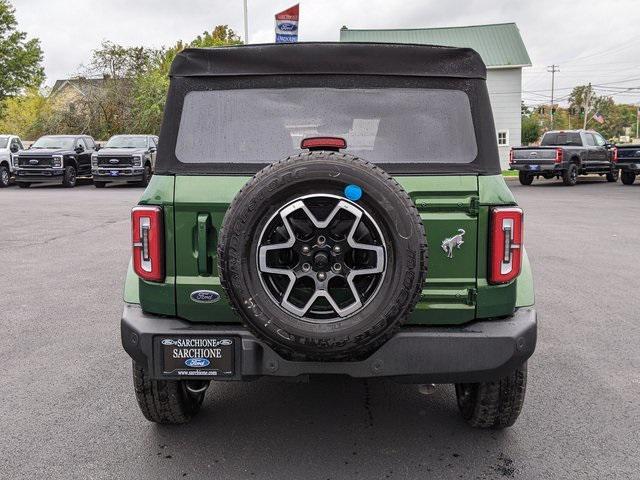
point(592, 40)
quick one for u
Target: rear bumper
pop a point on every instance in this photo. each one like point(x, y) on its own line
point(124, 174)
point(628, 167)
point(478, 351)
point(533, 168)
point(39, 175)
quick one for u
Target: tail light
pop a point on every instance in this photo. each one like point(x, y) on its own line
point(505, 256)
point(147, 234)
point(511, 156)
point(558, 155)
point(614, 155)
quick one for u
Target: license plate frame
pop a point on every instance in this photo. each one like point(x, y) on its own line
point(212, 357)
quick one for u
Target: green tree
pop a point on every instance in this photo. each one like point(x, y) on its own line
point(150, 89)
point(20, 59)
point(26, 115)
point(530, 129)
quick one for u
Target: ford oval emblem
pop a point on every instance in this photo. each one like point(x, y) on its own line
point(288, 27)
point(33, 161)
point(114, 161)
point(197, 362)
point(205, 296)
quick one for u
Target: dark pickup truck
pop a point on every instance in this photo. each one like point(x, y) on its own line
point(564, 154)
point(627, 161)
point(55, 159)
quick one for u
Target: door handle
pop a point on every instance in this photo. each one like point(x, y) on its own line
point(204, 226)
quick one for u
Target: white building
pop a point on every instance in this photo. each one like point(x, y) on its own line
point(503, 51)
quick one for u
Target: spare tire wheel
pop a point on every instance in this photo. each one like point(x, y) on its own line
point(323, 255)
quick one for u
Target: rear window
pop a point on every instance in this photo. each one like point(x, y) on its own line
point(561, 138)
point(383, 125)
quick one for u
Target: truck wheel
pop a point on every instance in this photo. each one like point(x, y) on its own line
point(323, 256)
point(99, 184)
point(495, 404)
point(146, 176)
point(613, 176)
point(525, 178)
point(164, 401)
point(628, 178)
point(570, 175)
point(69, 178)
point(4, 176)
point(24, 184)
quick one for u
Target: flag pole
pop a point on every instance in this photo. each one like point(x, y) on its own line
point(246, 24)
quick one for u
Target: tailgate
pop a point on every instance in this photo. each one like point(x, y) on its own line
point(446, 205)
point(526, 156)
point(629, 154)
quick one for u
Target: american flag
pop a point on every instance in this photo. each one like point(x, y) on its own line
point(598, 117)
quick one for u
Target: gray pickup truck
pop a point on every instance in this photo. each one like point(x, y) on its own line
point(565, 154)
point(627, 161)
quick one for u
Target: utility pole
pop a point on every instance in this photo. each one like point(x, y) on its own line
point(246, 24)
point(587, 101)
point(554, 69)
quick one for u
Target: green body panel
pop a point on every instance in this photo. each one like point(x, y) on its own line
point(446, 204)
point(455, 292)
point(131, 293)
point(525, 296)
point(208, 197)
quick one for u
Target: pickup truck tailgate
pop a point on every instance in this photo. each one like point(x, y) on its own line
point(534, 155)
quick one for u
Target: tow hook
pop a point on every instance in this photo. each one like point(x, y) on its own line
point(196, 387)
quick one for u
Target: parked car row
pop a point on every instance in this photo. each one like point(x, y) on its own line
point(566, 154)
point(64, 158)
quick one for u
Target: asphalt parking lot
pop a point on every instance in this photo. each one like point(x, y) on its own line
point(67, 408)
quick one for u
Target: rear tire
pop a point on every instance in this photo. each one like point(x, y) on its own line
point(628, 178)
point(570, 175)
point(164, 401)
point(495, 404)
point(4, 176)
point(24, 184)
point(613, 176)
point(525, 178)
point(69, 178)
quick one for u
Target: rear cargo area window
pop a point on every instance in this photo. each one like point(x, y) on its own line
point(385, 125)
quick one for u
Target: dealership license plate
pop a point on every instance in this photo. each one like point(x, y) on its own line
point(534, 167)
point(198, 356)
point(114, 173)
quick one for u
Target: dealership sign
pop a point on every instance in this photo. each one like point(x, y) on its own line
point(287, 25)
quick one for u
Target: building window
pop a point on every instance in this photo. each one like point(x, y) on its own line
point(503, 137)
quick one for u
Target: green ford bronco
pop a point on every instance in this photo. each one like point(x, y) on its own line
point(327, 208)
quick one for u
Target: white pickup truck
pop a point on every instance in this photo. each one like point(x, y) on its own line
point(9, 144)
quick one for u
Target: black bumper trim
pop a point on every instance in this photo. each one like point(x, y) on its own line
point(478, 351)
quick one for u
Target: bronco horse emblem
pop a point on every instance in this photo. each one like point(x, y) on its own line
point(448, 244)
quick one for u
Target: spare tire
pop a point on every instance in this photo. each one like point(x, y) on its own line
point(323, 255)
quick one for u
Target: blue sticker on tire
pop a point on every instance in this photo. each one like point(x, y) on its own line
point(353, 192)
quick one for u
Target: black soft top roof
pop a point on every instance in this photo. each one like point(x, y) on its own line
point(330, 58)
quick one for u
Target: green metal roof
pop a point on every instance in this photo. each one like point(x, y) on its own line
point(499, 45)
